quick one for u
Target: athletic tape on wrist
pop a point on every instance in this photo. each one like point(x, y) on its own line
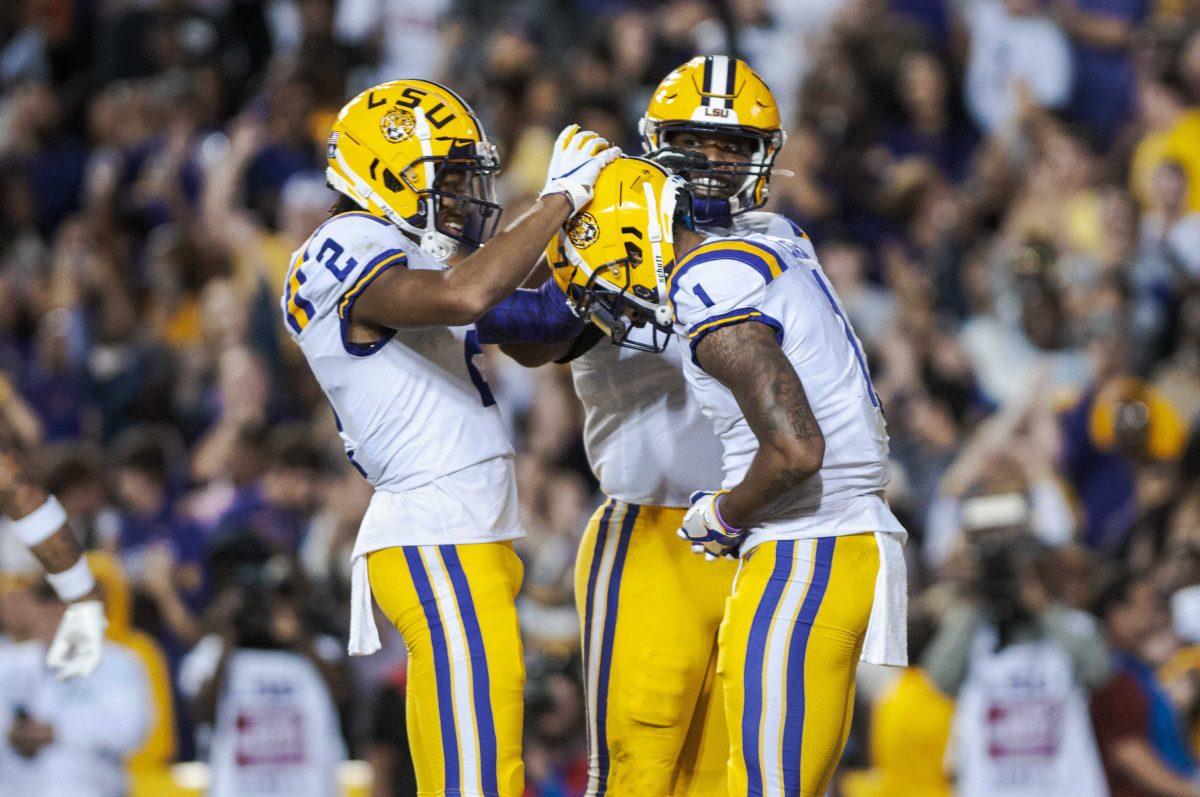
point(74, 582)
point(36, 527)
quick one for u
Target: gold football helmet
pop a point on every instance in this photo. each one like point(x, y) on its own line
point(413, 152)
point(716, 94)
point(612, 258)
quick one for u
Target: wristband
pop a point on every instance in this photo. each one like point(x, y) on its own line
point(36, 527)
point(717, 514)
point(74, 582)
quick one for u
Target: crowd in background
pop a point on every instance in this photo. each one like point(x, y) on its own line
point(1004, 193)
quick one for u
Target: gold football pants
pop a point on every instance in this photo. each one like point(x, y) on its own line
point(650, 610)
point(455, 607)
point(789, 648)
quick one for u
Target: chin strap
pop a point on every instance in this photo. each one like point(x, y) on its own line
point(710, 212)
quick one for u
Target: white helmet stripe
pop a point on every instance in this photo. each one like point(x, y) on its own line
point(719, 72)
point(654, 231)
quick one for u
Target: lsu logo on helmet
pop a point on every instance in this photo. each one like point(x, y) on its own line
point(582, 230)
point(719, 94)
point(397, 125)
point(414, 153)
point(612, 260)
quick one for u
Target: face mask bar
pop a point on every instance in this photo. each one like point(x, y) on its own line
point(463, 188)
point(616, 314)
point(691, 164)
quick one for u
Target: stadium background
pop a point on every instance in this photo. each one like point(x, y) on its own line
point(1005, 193)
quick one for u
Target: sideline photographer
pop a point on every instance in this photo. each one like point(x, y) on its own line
point(1020, 666)
point(270, 689)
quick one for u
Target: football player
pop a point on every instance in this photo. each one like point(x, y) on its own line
point(649, 610)
point(40, 524)
point(714, 121)
point(774, 364)
point(387, 327)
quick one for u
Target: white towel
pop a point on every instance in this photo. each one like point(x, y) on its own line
point(364, 635)
point(887, 631)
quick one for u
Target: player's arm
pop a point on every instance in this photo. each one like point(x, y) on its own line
point(459, 295)
point(533, 326)
point(746, 358)
point(464, 292)
point(41, 525)
point(23, 501)
point(531, 355)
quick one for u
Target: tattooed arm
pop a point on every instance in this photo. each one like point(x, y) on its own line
point(746, 358)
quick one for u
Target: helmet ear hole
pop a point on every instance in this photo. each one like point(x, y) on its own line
point(391, 182)
point(634, 252)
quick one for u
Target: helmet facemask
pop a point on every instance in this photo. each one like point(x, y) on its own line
point(612, 308)
point(460, 202)
point(722, 189)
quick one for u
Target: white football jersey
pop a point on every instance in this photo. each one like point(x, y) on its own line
point(646, 437)
point(777, 281)
point(411, 408)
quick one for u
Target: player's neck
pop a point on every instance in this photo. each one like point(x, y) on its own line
point(685, 241)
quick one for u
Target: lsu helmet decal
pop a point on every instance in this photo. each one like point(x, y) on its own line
point(718, 94)
point(612, 258)
point(413, 152)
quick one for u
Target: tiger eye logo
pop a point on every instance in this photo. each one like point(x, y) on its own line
point(397, 125)
point(583, 230)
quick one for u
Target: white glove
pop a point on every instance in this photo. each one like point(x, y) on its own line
point(575, 163)
point(707, 532)
point(79, 641)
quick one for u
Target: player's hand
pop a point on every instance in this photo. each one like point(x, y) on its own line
point(706, 531)
point(79, 641)
point(575, 163)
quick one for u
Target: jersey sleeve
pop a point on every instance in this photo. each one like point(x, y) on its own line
point(336, 264)
point(721, 284)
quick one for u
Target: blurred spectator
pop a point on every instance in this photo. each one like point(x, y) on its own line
point(269, 692)
point(1114, 438)
point(427, 40)
point(1172, 126)
point(1140, 732)
point(75, 475)
point(1021, 668)
point(389, 751)
point(161, 551)
point(555, 755)
point(1102, 33)
point(279, 506)
point(1018, 56)
point(1170, 232)
point(1004, 476)
point(933, 127)
point(149, 765)
point(65, 738)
